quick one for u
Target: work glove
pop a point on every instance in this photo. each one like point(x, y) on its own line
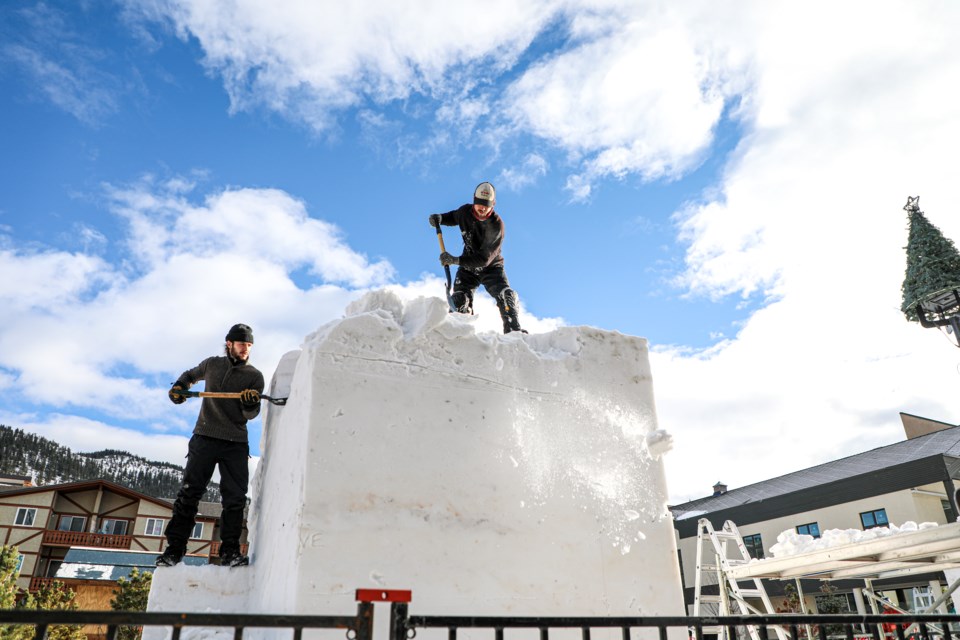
point(174, 397)
point(434, 219)
point(446, 259)
point(250, 398)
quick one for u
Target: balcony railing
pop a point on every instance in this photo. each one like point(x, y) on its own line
point(36, 583)
point(215, 548)
point(83, 539)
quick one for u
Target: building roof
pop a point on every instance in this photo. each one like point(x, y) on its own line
point(11, 476)
point(942, 443)
point(88, 563)
point(83, 485)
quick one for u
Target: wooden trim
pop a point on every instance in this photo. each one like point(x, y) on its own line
point(215, 548)
point(135, 501)
point(90, 484)
point(46, 507)
point(37, 581)
point(66, 496)
point(85, 539)
point(38, 532)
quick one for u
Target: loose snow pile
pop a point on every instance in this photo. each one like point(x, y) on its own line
point(791, 543)
point(490, 474)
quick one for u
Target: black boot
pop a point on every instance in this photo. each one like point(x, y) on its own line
point(230, 556)
point(172, 556)
point(463, 302)
point(509, 311)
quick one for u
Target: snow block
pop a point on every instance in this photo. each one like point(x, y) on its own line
point(491, 475)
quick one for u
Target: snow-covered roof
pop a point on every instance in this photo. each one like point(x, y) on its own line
point(922, 550)
point(945, 442)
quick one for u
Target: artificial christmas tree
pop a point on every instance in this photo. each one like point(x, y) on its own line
point(931, 288)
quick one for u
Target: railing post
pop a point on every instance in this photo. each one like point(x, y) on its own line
point(398, 620)
point(398, 599)
point(364, 621)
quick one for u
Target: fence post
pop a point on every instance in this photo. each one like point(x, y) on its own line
point(398, 620)
point(398, 599)
point(364, 621)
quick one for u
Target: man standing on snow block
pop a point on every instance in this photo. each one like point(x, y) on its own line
point(219, 438)
point(481, 262)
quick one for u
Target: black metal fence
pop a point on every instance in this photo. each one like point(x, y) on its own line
point(405, 627)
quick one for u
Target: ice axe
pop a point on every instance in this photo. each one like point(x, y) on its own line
point(225, 394)
point(446, 267)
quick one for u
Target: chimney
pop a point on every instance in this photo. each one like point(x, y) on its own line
point(719, 489)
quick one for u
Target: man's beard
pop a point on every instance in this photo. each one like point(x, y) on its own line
point(233, 356)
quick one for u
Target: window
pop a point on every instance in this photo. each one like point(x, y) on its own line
point(19, 563)
point(154, 527)
point(871, 519)
point(114, 527)
point(754, 546)
point(52, 567)
point(811, 529)
point(25, 517)
point(72, 523)
point(197, 531)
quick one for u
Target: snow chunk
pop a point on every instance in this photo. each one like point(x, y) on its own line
point(791, 543)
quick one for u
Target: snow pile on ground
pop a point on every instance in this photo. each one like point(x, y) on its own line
point(791, 543)
point(490, 474)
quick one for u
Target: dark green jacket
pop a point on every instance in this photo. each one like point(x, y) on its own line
point(221, 418)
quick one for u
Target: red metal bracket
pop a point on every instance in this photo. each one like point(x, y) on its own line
point(384, 595)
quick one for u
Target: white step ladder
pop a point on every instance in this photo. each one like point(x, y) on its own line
point(717, 567)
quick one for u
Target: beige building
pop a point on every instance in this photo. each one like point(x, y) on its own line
point(45, 522)
point(915, 480)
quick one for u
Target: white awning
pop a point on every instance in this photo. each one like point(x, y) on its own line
point(925, 551)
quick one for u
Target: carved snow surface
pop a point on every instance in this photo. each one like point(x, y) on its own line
point(489, 474)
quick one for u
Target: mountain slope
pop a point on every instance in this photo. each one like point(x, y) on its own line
point(48, 462)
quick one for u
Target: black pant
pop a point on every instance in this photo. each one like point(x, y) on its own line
point(493, 279)
point(203, 455)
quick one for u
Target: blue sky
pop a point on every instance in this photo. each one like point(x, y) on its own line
point(713, 179)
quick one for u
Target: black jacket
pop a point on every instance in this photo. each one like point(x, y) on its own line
point(222, 418)
point(481, 239)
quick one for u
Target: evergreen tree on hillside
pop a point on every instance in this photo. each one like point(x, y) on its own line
point(47, 462)
point(933, 263)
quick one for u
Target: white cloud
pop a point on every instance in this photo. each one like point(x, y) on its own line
point(309, 61)
point(844, 110)
point(107, 339)
point(533, 167)
point(638, 88)
point(94, 335)
point(809, 216)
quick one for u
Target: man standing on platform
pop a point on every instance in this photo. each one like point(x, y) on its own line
point(219, 440)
